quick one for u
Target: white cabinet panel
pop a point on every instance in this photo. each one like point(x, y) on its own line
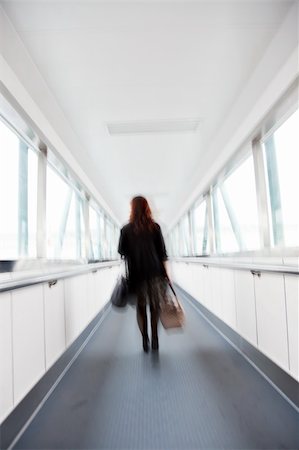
point(110, 283)
point(76, 306)
point(245, 304)
point(207, 288)
point(228, 314)
point(6, 373)
point(292, 300)
point(102, 288)
point(99, 290)
point(54, 321)
point(271, 318)
point(28, 339)
point(91, 295)
point(195, 287)
point(216, 288)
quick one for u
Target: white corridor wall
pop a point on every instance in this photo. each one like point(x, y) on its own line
point(262, 309)
point(38, 323)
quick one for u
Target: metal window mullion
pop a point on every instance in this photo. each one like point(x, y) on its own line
point(41, 220)
point(232, 217)
point(63, 224)
point(261, 194)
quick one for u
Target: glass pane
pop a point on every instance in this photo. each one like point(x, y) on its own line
point(95, 232)
point(200, 228)
point(283, 157)
point(185, 240)
point(175, 241)
point(240, 192)
point(108, 239)
point(69, 240)
point(18, 196)
point(58, 202)
point(103, 237)
point(224, 235)
point(9, 185)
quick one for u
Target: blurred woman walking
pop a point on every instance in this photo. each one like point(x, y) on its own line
point(142, 245)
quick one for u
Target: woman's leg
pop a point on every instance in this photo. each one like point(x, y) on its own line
point(154, 326)
point(155, 309)
point(142, 319)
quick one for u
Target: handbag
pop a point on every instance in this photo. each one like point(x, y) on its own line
point(171, 312)
point(120, 294)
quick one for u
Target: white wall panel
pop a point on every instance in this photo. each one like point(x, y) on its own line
point(216, 290)
point(192, 280)
point(271, 318)
point(76, 306)
point(245, 304)
point(105, 282)
point(98, 293)
point(292, 301)
point(101, 296)
point(207, 288)
point(6, 364)
point(28, 339)
point(54, 321)
point(228, 313)
point(198, 282)
point(91, 295)
point(111, 282)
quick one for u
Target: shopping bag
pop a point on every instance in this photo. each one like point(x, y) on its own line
point(171, 312)
point(120, 294)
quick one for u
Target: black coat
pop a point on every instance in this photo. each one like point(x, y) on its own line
point(144, 253)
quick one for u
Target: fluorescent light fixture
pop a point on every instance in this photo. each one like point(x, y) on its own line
point(153, 126)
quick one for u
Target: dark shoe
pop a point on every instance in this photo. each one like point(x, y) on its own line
point(155, 343)
point(145, 341)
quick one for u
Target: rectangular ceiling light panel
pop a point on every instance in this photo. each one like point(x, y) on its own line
point(154, 126)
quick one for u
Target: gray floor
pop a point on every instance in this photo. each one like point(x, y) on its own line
point(197, 393)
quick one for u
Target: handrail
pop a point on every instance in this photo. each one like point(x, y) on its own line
point(255, 269)
point(52, 278)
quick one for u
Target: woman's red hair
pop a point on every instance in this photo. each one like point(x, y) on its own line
point(141, 215)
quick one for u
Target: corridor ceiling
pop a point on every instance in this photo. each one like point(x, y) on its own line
point(146, 69)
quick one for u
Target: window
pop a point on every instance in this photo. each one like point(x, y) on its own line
point(94, 225)
point(185, 237)
point(18, 196)
point(239, 195)
point(103, 241)
point(282, 161)
point(65, 223)
point(199, 215)
point(65, 202)
point(224, 235)
point(175, 241)
point(73, 240)
point(109, 239)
